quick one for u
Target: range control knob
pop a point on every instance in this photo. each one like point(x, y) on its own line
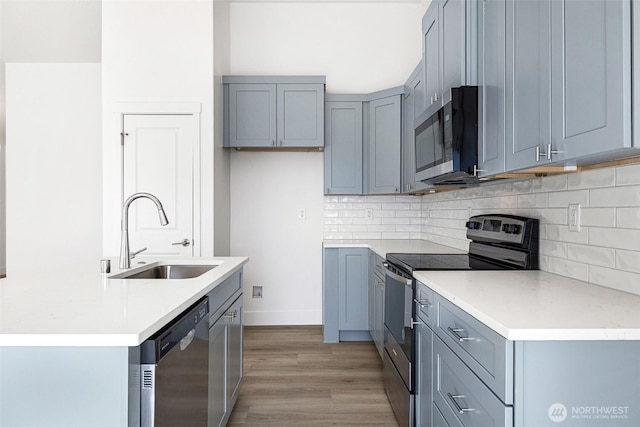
point(473, 225)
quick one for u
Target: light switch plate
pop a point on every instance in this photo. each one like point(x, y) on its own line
point(574, 217)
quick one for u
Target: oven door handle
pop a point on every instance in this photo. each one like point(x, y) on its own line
point(397, 277)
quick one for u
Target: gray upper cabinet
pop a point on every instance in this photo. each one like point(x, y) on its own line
point(591, 77)
point(555, 81)
point(413, 106)
point(385, 117)
point(492, 88)
point(252, 115)
point(449, 51)
point(431, 55)
point(343, 147)
point(264, 111)
point(528, 82)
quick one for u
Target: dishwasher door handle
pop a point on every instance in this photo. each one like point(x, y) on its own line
point(397, 277)
point(187, 340)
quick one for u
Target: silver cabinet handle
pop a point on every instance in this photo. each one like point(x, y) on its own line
point(231, 315)
point(456, 333)
point(476, 170)
point(547, 153)
point(423, 303)
point(184, 242)
point(460, 409)
point(415, 323)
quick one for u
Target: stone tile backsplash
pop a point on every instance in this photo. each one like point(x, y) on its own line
point(606, 250)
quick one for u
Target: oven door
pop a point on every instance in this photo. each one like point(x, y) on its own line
point(398, 305)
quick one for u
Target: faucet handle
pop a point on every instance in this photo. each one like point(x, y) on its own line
point(133, 254)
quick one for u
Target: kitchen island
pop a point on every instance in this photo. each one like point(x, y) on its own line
point(69, 352)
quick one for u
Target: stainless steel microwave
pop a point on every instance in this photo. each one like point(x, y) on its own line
point(447, 141)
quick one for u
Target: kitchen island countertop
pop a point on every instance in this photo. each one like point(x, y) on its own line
point(91, 309)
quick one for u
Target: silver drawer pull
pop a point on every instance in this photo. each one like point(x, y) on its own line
point(459, 408)
point(423, 303)
point(456, 333)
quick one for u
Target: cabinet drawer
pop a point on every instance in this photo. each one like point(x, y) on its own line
point(488, 354)
point(438, 419)
point(219, 295)
point(464, 399)
point(425, 304)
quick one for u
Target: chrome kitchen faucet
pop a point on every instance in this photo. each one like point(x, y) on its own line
point(125, 254)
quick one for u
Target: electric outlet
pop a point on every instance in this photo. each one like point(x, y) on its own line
point(368, 213)
point(302, 213)
point(256, 292)
point(574, 217)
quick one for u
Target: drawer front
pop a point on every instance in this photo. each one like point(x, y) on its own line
point(462, 397)
point(488, 354)
point(219, 295)
point(438, 419)
point(425, 304)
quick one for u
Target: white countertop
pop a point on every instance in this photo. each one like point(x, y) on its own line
point(539, 306)
point(83, 309)
point(384, 247)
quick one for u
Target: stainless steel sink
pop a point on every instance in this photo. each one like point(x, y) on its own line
point(169, 271)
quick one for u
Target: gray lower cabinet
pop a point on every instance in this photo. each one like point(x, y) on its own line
point(481, 379)
point(413, 106)
point(376, 300)
point(343, 149)
point(225, 348)
point(280, 112)
point(384, 145)
point(345, 294)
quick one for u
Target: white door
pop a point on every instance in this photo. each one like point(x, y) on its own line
point(158, 159)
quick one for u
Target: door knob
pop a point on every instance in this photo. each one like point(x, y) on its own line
point(185, 243)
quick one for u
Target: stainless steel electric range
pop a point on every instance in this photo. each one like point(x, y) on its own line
point(498, 242)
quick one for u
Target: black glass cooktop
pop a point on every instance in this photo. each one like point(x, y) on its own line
point(413, 262)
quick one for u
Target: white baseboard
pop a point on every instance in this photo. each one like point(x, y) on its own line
point(291, 317)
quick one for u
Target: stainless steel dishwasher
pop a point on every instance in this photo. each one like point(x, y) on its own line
point(174, 370)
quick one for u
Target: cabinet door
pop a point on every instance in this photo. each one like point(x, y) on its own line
point(217, 370)
point(492, 84)
point(300, 116)
point(452, 26)
point(384, 145)
point(431, 55)
point(413, 106)
point(234, 351)
point(528, 82)
point(353, 290)
point(424, 375)
point(590, 65)
point(343, 148)
point(252, 115)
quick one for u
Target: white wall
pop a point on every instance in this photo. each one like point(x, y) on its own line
point(37, 32)
point(158, 52)
point(54, 203)
point(360, 48)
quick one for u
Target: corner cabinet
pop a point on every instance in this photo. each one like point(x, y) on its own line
point(385, 118)
point(274, 111)
point(363, 142)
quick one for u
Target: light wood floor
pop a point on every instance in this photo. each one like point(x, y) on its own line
point(291, 378)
